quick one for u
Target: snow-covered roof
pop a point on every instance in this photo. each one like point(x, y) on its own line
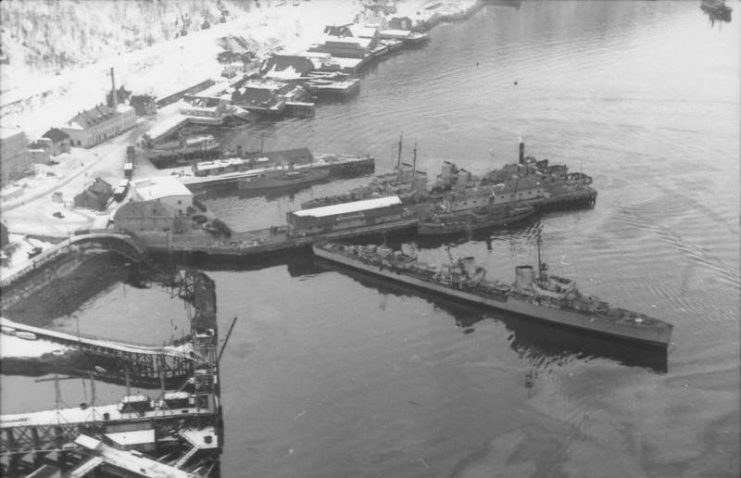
point(95, 115)
point(363, 31)
point(349, 207)
point(360, 42)
point(346, 62)
point(160, 187)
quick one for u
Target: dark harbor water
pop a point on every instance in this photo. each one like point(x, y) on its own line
point(329, 374)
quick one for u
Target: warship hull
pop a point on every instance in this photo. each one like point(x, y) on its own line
point(469, 222)
point(629, 330)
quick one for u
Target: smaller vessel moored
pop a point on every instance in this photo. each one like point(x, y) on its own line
point(282, 178)
point(469, 221)
point(22, 334)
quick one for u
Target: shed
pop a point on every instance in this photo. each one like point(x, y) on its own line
point(346, 215)
point(60, 141)
point(287, 67)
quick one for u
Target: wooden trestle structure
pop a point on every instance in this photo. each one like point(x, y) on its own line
point(28, 440)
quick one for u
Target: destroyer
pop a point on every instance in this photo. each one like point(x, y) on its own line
point(282, 178)
point(539, 296)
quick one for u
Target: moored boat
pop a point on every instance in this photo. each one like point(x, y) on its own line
point(22, 334)
point(282, 178)
point(535, 295)
point(468, 221)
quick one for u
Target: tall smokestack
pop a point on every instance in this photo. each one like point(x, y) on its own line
point(522, 151)
point(114, 95)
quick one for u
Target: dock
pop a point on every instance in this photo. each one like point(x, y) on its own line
point(262, 241)
point(143, 364)
point(339, 165)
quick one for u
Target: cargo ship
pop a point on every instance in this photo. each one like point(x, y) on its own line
point(469, 221)
point(229, 172)
point(535, 295)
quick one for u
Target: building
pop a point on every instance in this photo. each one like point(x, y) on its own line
point(260, 97)
point(209, 110)
point(270, 97)
point(93, 126)
point(344, 47)
point(96, 196)
point(345, 216)
point(287, 67)
point(161, 204)
point(14, 162)
point(16, 159)
point(39, 152)
point(143, 104)
point(166, 190)
point(145, 216)
point(59, 141)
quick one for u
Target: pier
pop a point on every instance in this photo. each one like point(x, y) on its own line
point(115, 360)
point(262, 241)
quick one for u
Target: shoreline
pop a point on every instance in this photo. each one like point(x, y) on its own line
point(49, 100)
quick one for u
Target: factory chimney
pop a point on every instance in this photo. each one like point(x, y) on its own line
point(114, 95)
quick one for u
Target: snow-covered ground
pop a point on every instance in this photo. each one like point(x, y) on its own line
point(36, 101)
point(12, 346)
point(17, 255)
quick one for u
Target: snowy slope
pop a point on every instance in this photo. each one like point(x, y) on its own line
point(60, 51)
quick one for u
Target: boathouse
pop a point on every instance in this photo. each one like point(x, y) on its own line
point(287, 67)
point(346, 215)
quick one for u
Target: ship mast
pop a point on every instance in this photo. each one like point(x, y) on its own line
point(398, 159)
point(414, 161)
point(542, 267)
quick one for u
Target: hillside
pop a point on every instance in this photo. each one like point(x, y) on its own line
point(52, 35)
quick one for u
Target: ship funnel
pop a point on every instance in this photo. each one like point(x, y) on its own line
point(524, 277)
point(522, 152)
